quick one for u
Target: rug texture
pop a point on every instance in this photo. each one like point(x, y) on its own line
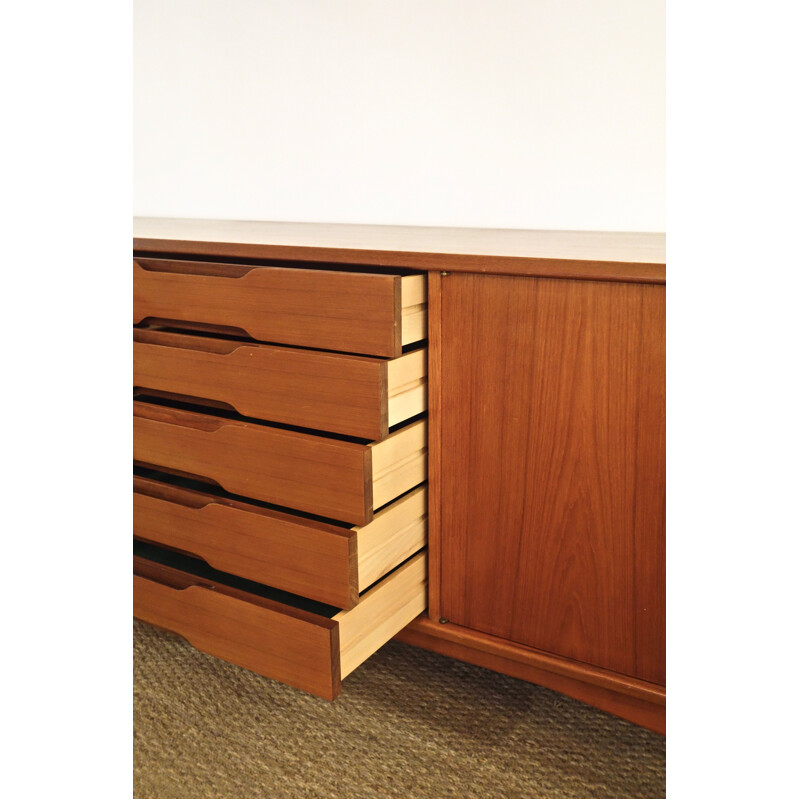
point(408, 723)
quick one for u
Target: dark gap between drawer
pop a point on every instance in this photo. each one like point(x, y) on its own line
point(146, 394)
point(191, 262)
point(226, 334)
point(184, 482)
point(241, 339)
point(199, 568)
point(399, 497)
point(199, 408)
point(406, 422)
point(420, 345)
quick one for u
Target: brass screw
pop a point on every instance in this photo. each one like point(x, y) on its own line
point(443, 621)
point(444, 273)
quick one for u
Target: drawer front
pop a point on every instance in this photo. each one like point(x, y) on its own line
point(315, 474)
point(346, 311)
point(323, 562)
point(292, 646)
point(350, 395)
point(300, 648)
point(308, 473)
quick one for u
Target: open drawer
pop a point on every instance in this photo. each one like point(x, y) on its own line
point(299, 554)
point(353, 312)
point(327, 476)
point(311, 647)
point(347, 394)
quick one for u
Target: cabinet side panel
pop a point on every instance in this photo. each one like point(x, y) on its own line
point(434, 441)
point(650, 520)
point(541, 450)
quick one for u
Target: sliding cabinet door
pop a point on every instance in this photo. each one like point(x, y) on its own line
point(551, 465)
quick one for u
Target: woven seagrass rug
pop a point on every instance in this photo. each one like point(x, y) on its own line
point(409, 723)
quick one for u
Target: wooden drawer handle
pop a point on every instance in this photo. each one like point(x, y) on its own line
point(199, 268)
point(184, 419)
point(202, 344)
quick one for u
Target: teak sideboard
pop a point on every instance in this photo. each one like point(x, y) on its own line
point(347, 433)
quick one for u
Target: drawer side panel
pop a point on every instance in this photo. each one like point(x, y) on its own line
point(382, 612)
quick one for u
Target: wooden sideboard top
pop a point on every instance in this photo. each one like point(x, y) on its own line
point(588, 255)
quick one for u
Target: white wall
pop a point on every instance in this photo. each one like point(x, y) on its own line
point(504, 113)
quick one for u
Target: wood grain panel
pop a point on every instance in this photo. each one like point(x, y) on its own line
point(650, 520)
point(347, 311)
point(295, 554)
point(300, 648)
point(291, 646)
point(304, 556)
point(548, 447)
point(325, 391)
point(315, 474)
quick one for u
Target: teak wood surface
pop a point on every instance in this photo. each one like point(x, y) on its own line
point(552, 467)
point(304, 556)
point(316, 474)
point(546, 441)
point(332, 392)
point(347, 311)
point(300, 648)
point(290, 645)
point(590, 255)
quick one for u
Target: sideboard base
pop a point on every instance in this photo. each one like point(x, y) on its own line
point(636, 701)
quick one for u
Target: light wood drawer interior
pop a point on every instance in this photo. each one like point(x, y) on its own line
point(299, 554)
point(352, 395)
point(353, 312)
point(305, 645)
point(332, 477)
